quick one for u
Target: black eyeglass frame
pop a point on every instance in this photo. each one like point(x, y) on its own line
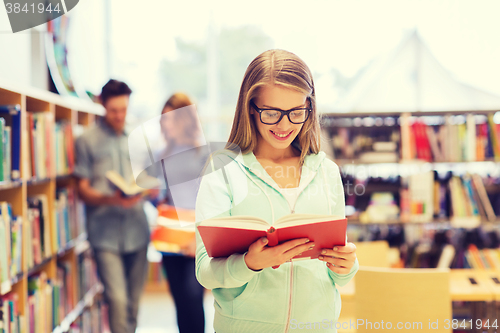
point(283, 112)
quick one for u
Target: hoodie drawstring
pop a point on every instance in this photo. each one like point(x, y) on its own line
point(267, 195)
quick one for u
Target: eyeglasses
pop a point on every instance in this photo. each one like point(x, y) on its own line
point(274, 116)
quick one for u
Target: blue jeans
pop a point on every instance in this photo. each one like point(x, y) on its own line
point(123, 276)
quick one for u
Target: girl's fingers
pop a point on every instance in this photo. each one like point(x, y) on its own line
point(341, 250)
point(291, 244)
point(345, 256)
point(337, 262)
point(298, 250)
point(348, 248)
point(336, 269)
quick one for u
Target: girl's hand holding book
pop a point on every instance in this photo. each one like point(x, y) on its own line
point(260, 256)
point(340, 259)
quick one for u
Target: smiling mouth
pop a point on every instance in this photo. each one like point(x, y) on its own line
point(282, 136)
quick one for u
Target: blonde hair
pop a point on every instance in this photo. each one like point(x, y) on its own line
point(187, 118)
point(285, 69)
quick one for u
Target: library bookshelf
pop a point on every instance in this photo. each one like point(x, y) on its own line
point(415, 150)
point(424, 164)
point(49, 283)
point(413, 174)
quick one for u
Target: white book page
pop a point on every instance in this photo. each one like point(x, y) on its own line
point(300, 219)
point(237, 222)
point(118, 180)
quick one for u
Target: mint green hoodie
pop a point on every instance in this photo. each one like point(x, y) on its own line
point(299, 294)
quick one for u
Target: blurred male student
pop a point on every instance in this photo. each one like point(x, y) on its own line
point(116, 226)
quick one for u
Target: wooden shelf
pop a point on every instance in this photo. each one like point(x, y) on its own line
point(7, 88)
point(34, 182)
point(72, 244)
point(87, 301)
point(79, 114)
point(37, 268)
point(10, 185)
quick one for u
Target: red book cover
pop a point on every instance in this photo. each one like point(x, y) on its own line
point(36, 234)
point(50, 153)
point(228, 235)
point(418, 141)
point(423, 148)
point(425, 142)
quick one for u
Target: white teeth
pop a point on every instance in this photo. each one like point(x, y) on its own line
point(281, 135)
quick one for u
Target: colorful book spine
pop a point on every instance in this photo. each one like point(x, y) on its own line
point(10, 317)
point(2, 149)
point(12, 113)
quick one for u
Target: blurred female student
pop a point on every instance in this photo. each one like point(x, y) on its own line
point(181, 129)
point(281, 170)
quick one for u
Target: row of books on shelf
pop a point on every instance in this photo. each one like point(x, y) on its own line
point(430, 138)
point(366, 145)
point(462, 199)
point(69, 216)
point(11, 245)
point(427, 197)
point(38, 230)
point(87, 274)
point(475, 139)
point(49, 300)
point(68, 224)
point(10, 138)
point(11, 319)
point(49, 145)
point(425, 256)
point(442, 247)
point(94, 320)
point(479, 259)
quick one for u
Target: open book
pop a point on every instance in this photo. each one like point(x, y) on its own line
point(234, 234)
point(131, 188)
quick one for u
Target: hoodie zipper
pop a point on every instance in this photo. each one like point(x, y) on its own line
point(289, 299)
point(292, 211)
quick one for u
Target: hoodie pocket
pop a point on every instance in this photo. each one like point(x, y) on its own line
point(329, 288)
point(266, 297)
point(240, 299)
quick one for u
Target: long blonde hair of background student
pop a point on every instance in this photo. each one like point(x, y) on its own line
point(285, 69)
point(187, 118)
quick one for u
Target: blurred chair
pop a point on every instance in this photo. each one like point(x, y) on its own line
point(373, 254)
point(405, 296)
